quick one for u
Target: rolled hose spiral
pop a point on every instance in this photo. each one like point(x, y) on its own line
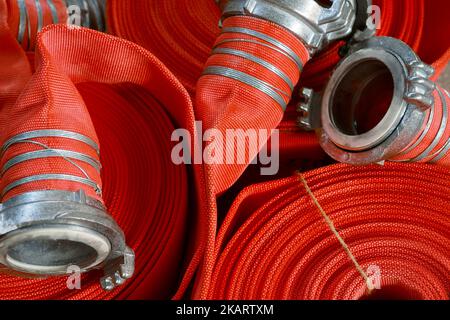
point(125, 106)
point(274, 243)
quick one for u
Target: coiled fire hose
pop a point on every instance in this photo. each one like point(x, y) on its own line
point(380, 104)
point(393, 222)
point(125, 106)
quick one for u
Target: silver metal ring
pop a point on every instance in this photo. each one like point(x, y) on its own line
point(41, 154)
point(249, 80)
point(43, 177)
point(420, 139)
point(269, 39)
point(257, 60)
point(440, 133)
point(408, 114)
point(258, 43)
point(53, 11)
point(50, 133)
point(22, 21)
point(40, 19)
point(45, 232)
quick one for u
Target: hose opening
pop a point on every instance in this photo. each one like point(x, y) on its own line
point(362, 98)
point(51, 250)
point(54, 253)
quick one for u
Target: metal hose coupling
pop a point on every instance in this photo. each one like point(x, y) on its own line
point(55, 232)
point(380, 104)
point(314, 24)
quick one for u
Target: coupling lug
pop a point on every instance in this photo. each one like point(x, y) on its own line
point(309, 110)
point(315, 25)
point(118, 270)
point(419, 86)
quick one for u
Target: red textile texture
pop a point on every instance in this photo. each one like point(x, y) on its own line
point(224, 103)
point(275, 244)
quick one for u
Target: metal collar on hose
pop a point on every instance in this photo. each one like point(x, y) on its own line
point(44, 232)
point(315, 25)
point(412, 96)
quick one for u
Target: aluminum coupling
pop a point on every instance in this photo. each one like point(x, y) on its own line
point(380, 104)
point(314, 24)
point(46, 233)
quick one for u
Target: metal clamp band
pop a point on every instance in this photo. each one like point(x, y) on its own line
point(444, 121)
point(248, 80)
point(40, 19)
point(257, 60)
point(313, 24)
point(53, 11)
point(23, 20)
point(43, 177)
point(268, 39)
point(48, 153)
point(50, 133)
point(218, 44)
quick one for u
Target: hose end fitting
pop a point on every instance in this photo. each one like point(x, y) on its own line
point(315, 25)
point(376, 102)
point(47, 233)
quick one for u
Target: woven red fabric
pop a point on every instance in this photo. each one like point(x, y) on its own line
point(275, 244)
point(15, 68)
point(179, 32)
point(127, 102)
point(223, 103)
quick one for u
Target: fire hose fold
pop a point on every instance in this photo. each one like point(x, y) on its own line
point(53, 197)
point(354, 233)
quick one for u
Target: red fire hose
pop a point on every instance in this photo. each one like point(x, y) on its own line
point(274, 243)
point(184, 49)
point(274, 236)
point(125, 107)
point(252, 71)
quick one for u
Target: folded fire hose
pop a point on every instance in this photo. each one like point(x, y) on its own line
point(247, 72)
point(132, 115)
